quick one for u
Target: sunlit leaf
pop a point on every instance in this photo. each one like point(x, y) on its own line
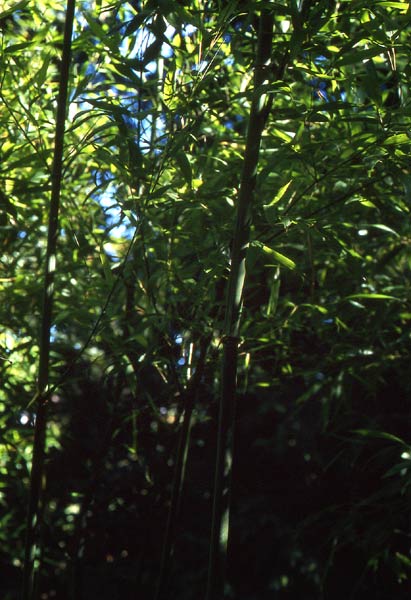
point(403, 6)
point(15, 7)
point(370, 296)
point(278, 257)
point(357, 55)
point(383, 228)
point(279, 194)
point(397, 139)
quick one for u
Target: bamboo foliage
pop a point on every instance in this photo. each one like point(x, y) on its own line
point(171, 116)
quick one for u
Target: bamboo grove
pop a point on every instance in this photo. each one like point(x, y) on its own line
point(204, 339)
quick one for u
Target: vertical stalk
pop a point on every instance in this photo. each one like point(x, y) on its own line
point(257, 118)
point(41, 397)
point(179, 470)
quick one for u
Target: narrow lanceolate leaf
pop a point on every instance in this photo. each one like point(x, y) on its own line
point(274, 294)
point(17, 6)
point(283, 260)
point(357, 55)
point(365, 296)
point(403, 6)
point(381, 435)
point(279, 194)
point(384, 228)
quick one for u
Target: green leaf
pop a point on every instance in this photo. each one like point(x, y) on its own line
point(381, 435)
point(41, 74)
point(358, 55)
point(383, 228)
point(280, 258)
point(371, 296)
point(279, 194)
point(403, 6)
point(398, 138)
point(185, 167)
point(107, 266)
point(169, 96)
point(15, 48)
point(18, 6)
point(135, 23)
point(274, 293)
point(398, 469)
point(286, 137)
point(320, 309)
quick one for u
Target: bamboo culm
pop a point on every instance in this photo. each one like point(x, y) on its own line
point(34, 512)
point(221, 496)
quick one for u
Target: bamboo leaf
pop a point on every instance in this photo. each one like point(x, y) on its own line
point(357, 55)
point(403, 6)
point(397, 139)
point(185, 167)
point(370, 296)
point(384, 228)
point(280, 258)
point(274, 294)
point(286, 137)
point(18, 6)
point(281, 192)
point(381, 435)
point(41, 74)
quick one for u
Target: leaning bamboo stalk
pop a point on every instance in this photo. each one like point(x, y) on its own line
point(256, 124)
point(41, 397)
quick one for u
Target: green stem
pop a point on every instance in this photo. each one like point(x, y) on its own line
point(179, 471)
point(221, 497)
point(37, 468)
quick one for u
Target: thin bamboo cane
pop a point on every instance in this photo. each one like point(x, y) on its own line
point(41, 396)
point(179, 470)
point(221, 497)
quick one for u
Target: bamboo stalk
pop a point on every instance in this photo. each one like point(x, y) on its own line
point(41, 397)
point(221, 497)
point(179, 470)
